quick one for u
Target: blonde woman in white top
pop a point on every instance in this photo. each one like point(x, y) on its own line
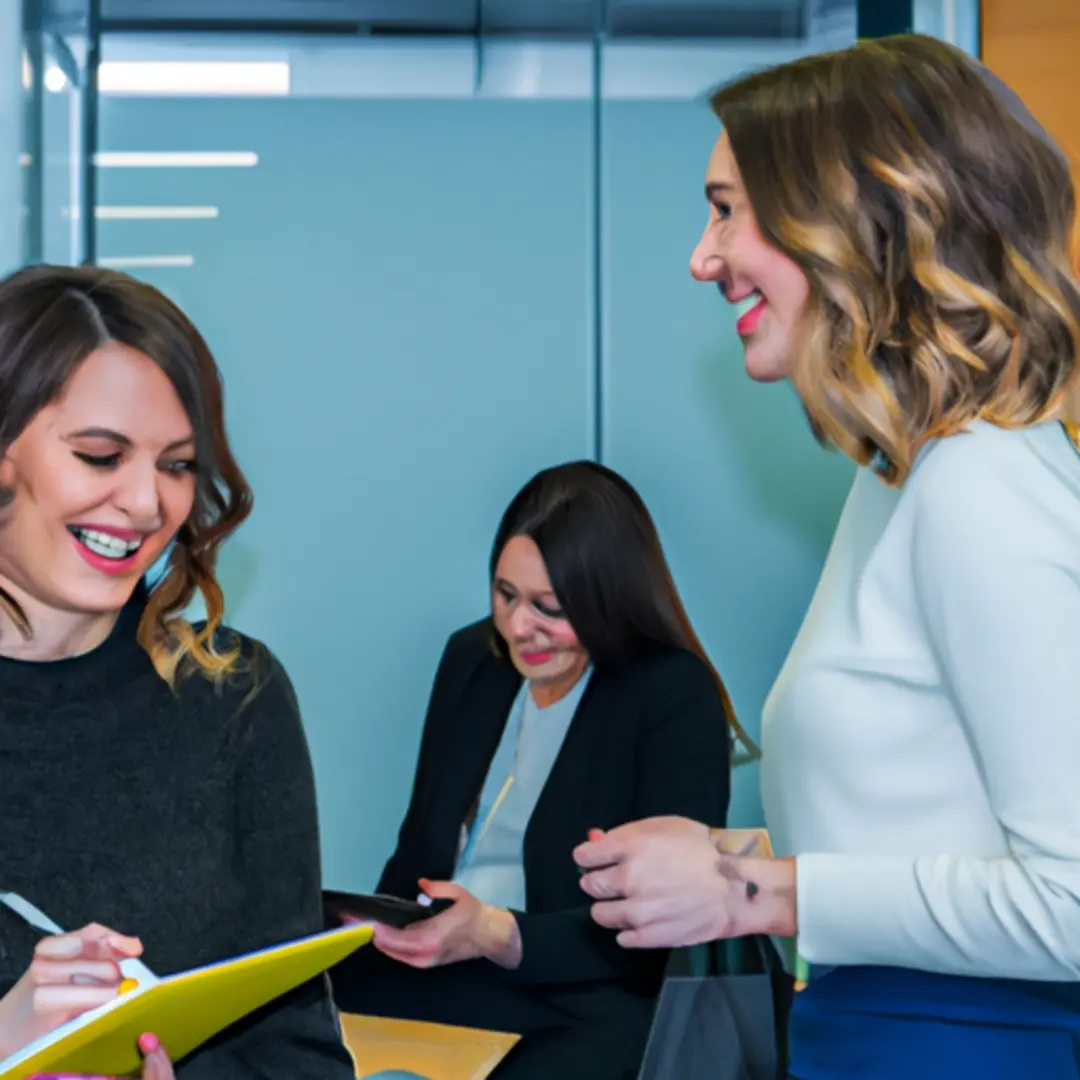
point(893, 229)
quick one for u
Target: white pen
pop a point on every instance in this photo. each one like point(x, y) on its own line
point(133, 970)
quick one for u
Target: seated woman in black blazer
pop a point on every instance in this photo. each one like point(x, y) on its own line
point(584, 701)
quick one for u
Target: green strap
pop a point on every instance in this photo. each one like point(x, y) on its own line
point(700, 961)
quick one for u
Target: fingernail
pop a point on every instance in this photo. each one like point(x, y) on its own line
point(124, 944)
point(148, 1043)
point(87, 980)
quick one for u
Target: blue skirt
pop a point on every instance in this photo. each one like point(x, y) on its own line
point(866, 1023)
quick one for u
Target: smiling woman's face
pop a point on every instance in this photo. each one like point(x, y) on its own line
point(529, 617)
point(101, 478)
point(768, 289)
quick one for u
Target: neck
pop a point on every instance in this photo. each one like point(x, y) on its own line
point(1068, 408)
point(54, 634)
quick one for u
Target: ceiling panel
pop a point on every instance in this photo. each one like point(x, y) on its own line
point(432, 16)
point(762, 19)
point(707, 18)
point(577, 17)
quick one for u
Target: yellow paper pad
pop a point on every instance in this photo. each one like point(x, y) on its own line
point(184, 1010)
point(434, 1051)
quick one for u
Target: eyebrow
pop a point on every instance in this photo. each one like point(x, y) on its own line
point(123, 440)
point(718, 187)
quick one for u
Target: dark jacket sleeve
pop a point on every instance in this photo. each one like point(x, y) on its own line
point(463, 650)
point(296, 1037)
point(683, 762)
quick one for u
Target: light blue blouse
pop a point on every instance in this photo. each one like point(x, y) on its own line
point(491, 863)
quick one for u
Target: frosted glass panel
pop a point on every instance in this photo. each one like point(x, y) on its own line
point(393, 248)
point(745, 498)
point(398, 295)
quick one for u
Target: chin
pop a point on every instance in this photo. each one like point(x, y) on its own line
point(103, 597)
point(533, 674)
point(763, 368)
point(102, 601)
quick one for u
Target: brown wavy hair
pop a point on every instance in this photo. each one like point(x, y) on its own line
point(51, 319)
point(933, 222)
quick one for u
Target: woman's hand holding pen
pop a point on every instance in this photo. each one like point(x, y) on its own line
point(669, 882)
point(468, 930)
point(71, 974)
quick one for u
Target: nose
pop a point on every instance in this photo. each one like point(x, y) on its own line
point(522, 623)
point(706, 262)
point(138, 495)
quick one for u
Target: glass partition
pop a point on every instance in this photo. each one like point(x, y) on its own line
point(429, 267)
point(60, 54)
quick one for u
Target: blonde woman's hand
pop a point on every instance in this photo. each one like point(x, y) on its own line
point(70, 974)
point(664, 882)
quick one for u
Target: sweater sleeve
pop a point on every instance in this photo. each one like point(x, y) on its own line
point(996, 560)
point(296, 1037)
point(684, 769)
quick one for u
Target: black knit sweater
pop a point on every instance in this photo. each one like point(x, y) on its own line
point(187, 819)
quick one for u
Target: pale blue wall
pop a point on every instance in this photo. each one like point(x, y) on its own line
point(397, 296)
point(402, 296)
point(744, 497)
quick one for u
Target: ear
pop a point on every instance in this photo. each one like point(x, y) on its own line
point(7, 481)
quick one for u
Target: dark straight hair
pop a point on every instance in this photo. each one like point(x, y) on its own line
point(607, 567)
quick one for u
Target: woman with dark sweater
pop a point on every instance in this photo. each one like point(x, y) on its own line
point(584, 701)
point(155, 785)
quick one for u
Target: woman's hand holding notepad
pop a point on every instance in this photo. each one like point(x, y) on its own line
point(72, 974)
point(156, 1067)
point(184, 1010)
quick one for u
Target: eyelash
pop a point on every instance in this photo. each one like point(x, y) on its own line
point(723, 211)
point(109, 461)
point(547, 613)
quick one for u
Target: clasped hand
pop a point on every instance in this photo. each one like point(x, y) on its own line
point(71, 974)
point(666, 882)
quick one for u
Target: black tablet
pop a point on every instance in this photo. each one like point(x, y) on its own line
point(377, 907)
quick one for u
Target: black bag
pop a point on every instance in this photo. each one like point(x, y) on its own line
point(722, 1014)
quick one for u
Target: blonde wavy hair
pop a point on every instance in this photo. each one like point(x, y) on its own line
point(933, 220)
point(51, 319)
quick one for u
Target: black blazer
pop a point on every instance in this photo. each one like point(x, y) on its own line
point(649, 739)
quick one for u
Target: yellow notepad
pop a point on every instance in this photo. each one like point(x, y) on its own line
point(184, 1010)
